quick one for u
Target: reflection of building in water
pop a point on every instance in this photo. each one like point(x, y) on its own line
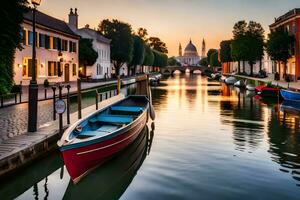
point(285, 138)
point(246, 118)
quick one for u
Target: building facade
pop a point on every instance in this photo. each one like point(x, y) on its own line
point(190, 56)
point(291, 23)
point(101, 69)
point(56, 51)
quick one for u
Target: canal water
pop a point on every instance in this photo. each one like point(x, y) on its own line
point(208, 141)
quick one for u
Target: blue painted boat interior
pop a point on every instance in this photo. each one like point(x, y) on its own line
point(112, 118)
point(290, 95)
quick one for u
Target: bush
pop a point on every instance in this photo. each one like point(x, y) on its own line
point(16, 89)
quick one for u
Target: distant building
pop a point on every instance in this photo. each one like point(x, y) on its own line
point(190, 56)
point(291, 23)
point(102, 67)
point(56, 52)
point(203, 52)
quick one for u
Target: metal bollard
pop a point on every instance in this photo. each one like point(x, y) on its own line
point(16, 98)
point(79, 97)
point(20, 97)
point(45, 93)
point(60, 115)
point(97, 96)
point(54, 112)
point(68, 103)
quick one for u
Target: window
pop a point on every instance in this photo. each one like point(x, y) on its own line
point(53, 68)
point(72, 46)
point(30, 37)
point(64, 45)
point(27, 67)
point(42, 40)
point(74, 71)
point(23, 35)
point(99, 69)
point(47, 41)
point(56, 43)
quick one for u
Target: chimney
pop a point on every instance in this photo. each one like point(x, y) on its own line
point(73, 19)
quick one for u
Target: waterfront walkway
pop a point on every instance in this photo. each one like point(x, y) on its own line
point(270, 78)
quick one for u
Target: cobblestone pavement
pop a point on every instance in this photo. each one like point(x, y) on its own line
point(13, 119)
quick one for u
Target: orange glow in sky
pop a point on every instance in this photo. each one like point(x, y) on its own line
point(175, 21)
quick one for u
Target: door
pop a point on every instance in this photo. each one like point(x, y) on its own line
point(67, 73)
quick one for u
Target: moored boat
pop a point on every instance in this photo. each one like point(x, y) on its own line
point(290, 95)
point(239, 83)
point(93, 140)
point(292, 107)
point(250, 87)
point(230, 80)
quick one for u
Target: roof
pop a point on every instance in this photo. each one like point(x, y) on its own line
point(49, 22)
point(190, 50)
point(286, 16)
point(95, 34)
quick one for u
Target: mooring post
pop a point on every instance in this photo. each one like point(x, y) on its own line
point(54, 112)
point(16, 98)
point(79, 97)
point(45, 92)
point(1, 101)
point(97, 96)
point(60, 87)
point(68, 103)
point(119, 85)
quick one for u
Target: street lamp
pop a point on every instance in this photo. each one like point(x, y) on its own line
point(33, 87)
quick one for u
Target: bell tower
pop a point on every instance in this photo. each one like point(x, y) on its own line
point(180, 50)
point(203, 52)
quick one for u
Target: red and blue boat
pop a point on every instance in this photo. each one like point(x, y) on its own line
point(266, 91)
point(93, 140)
point(290, 95)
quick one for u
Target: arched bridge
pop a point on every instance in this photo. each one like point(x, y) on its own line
point(169, 70)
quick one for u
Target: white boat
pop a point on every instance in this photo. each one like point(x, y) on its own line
point(239, 83)
point(250, 87)
point(230, 80)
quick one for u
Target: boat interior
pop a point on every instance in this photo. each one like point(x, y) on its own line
point(111, 119)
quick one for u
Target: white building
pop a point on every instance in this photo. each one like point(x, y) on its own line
point(102, 67)
point(56, 51)
point(190, 56)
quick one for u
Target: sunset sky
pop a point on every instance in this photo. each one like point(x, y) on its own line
point(175, 21)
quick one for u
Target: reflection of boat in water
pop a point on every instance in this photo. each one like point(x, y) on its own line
point(291, 107)
point(112, 178)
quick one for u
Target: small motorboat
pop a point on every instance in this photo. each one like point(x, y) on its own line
point(91, 141)
point(259, 88)
point(239, 83)
point(290, 95)
point(250, 87)
point(216, 76)
point(230, 80)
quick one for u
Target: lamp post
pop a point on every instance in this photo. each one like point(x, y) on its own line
point(33, 87)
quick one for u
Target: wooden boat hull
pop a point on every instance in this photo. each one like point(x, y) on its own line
point(290, 95)
point(79, 161)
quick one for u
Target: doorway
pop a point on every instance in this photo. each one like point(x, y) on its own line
point(67, 73)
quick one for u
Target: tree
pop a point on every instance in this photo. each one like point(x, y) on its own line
point(87, 55)
point(203, 62)
point(143, 33)
point(160, 59)
point(278, 46)
point(254, 48)
point(138, 54)
point(172, 61)
point(11, 18)
point(238, 44)
point(158, 45)
point(120, 34)
point(149, 56)
point(225, 51)
point(210, 52)
point(214, 60)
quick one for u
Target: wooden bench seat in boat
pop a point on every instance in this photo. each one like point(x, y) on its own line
point(102, 130)
point(118, 119)
point(129, 109)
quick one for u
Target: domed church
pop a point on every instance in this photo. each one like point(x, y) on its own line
point(190, 55)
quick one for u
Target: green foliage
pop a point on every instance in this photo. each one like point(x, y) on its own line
point(203, 62)
point(149, 56)
point(214, 61)
point(138, 54)
point(172, 61)
point(160, 59)
point(278, 45)
point(16, 89)
point(210, 52)
point(120, 34)
point(46, 83)
point(269, 84)
point(143, 33)
point(87, 55)
point(158, 45)
point(225, 51)
point(11, 18)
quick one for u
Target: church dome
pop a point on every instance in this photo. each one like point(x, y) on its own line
point(190, 50)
